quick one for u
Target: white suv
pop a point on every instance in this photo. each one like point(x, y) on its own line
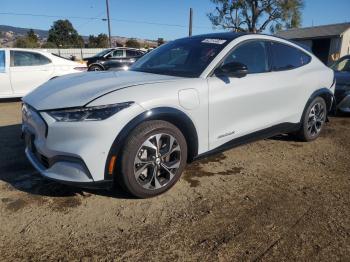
point(185, 100)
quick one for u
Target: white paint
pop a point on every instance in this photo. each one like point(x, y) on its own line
point(17, 81)
point(220, 110)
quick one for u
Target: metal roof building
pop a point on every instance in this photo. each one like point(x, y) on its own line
point(328, 42)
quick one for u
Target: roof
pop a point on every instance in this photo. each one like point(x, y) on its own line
point(224, 35)
point(315, 31)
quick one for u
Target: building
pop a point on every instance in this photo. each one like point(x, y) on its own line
point(327, 42)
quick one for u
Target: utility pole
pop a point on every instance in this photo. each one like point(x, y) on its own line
point(190, 22)
point(109, 25)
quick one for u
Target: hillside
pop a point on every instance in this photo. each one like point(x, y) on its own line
point(9, 34)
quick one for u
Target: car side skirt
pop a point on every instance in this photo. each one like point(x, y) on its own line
point(258, 135)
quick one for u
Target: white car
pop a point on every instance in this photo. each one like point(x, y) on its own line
point(187, 99)
point(22, 70)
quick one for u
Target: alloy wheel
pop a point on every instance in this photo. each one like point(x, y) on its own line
point(316, 119)
point(157, 161)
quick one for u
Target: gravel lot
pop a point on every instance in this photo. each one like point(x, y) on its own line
point(272, 200)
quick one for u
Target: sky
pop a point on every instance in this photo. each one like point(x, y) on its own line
point(149, 19)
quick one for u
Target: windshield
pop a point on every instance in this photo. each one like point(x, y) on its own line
point(186, 57)
point(342, 65)
point(102, 53)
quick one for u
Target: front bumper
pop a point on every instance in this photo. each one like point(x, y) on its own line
point(73, 153)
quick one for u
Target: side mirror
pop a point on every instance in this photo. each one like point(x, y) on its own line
point(233, 69)
point(108, 56)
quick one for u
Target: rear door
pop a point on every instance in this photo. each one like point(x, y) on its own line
point(5, 84)
point(294, 79)
point(28, 70)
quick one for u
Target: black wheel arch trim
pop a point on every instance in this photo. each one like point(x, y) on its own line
point(326, 94)
point(97, 64)
point(174, 116)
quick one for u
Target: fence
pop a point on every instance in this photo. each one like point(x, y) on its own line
point(78, 53)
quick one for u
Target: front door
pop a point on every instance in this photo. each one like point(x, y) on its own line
point(241, 106)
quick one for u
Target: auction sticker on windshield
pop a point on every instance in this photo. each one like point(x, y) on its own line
point(214, 41)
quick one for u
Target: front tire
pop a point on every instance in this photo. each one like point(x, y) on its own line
point(153, 159)
point(313, 120)
point(95, 68)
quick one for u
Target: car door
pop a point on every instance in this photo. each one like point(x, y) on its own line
point(115, 59)
point(5, 84)
point(241, 106)
point(28, 70)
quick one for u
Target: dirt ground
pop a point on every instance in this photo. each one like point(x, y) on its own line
point(273, 200)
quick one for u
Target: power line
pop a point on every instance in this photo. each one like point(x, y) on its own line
point(96, 18)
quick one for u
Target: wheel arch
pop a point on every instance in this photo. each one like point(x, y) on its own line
point(169, 114)
point(326, 94)
point(97, 64)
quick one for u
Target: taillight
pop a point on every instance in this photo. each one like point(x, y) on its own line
point(81, 68)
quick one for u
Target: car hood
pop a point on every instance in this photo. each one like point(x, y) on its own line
point(79, 89)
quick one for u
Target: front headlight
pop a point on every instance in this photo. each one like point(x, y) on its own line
point(95, 113)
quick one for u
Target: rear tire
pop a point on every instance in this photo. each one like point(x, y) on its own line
point(153, 158)
point(313, 120)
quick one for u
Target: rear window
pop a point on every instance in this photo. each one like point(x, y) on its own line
point(285, 57)
point(132, 53)
point(23, 58)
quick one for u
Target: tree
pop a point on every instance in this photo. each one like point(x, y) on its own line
point(63, 34)
point(29, 41)
point(256, 15)
point(160, 41)
point(49, 45)
point(31, 36)
point(24, 42)
point(100, 41)
point(132, 42)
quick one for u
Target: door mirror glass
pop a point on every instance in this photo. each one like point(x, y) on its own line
point(233, 69)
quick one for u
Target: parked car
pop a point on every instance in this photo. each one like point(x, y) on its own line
point(22, 70)
point(114, 58)
point(342, 89)
point(185, 100)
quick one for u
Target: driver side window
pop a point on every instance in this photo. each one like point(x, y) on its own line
point(253, 54)
point(118, 53)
